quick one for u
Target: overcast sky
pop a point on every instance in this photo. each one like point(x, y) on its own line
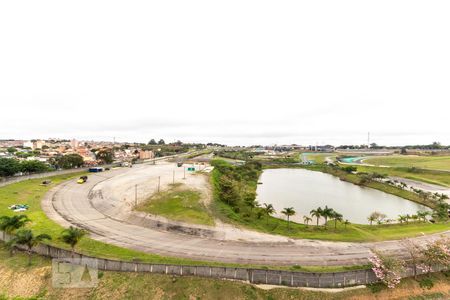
point(235, 72)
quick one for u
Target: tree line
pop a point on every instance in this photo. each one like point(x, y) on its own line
point(21, 236)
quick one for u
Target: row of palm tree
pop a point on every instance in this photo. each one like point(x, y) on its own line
point(25, 237)
point(419, 216)
point(270, 210)
point(327, 213)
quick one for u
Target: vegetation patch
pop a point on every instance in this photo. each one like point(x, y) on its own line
point(235, 202)
point(179, 204)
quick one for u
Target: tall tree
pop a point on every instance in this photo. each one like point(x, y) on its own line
point(306, 220)
point(152, 142)
point(327, 213)
point(10, 224)
point(72, 237)
point(336, 217)
point(9, 167)
point(317, 213)
point(26, 237)
point(288, 212)
point(105, 155)
point(161, 142)
point(269, 210)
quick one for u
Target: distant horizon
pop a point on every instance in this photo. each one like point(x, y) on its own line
point(168, 141)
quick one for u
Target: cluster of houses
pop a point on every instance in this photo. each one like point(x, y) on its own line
point(44, 150)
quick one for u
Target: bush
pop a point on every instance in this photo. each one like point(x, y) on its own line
point(376, 287)
point(426, 283)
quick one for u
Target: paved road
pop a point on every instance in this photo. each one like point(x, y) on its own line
point(71, 203)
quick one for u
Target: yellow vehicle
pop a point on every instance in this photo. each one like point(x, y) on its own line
point(82, 179)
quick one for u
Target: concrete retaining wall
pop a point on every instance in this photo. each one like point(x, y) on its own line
point(257, 276)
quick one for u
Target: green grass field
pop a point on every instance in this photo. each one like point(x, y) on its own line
point(31, 192)
point(20, 281)
point(179, 204)
point(441, 178)
point(408, 161)
point(349, 233)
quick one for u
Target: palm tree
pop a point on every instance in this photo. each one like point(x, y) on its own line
point(317, 213)
point(26, 238)
point(10, 224)
point(72, 236)
point(422, 214)
point(269, 210)
point(306, 219)
point(327, 213)
point(401, 218)
point(407, 217)
point(288, 211)
point(346, 222)
point(337, 217)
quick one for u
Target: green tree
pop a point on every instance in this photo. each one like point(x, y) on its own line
point(440, 211)
point(327, 213)
point(152, 142)
point(11, 150)
point(401, 218)
point(317, 213)
point(306, 220)
point(69, 161)
point(423, 214)
point(10, 224)
point(9, 167)
point(33, 166)
point(288, 212)
point(161, 142)
point(336, 217)
point(346, 222)
point(269, 210)
point(72, 236)
point(26, 237)
point(105, 155)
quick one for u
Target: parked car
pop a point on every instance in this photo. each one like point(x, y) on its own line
point(82, 179)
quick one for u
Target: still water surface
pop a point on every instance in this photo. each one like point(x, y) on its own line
point(306, 190)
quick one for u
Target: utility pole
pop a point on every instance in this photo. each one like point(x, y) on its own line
point(159, 182)
point(368, 140)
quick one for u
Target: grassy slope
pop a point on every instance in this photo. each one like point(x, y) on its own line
point(180, 204)
point(351, 233)
point(425, 162)
point(34, 282)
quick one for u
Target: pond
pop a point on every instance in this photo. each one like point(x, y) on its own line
point(306, 190)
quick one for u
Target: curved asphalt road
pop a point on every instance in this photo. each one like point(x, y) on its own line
point(69, 204)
